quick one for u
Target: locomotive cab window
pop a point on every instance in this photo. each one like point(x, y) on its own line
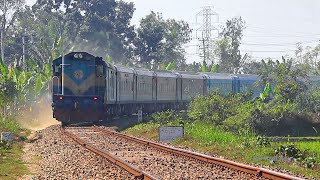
point(99, 70)
point(56, 70)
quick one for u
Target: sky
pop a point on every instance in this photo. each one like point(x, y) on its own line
point(273, 27)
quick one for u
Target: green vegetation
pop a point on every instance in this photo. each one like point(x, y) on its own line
point(234, 126)
point(11, 165)
point(237, 126)
point(244, 146)
point(8, 124)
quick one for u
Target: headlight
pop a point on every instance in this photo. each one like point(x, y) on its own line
point(80, 56)
point(76, 56)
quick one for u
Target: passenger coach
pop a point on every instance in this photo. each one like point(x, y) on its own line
point(86, 88)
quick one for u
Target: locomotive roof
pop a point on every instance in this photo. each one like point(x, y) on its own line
point(125, 69)
point(85, 56)
point(253, 77)
point(190, 75)
point(145, 72)
point(218, 75)
point(163, 73)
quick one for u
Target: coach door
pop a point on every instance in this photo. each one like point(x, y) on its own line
point(154, 88)
point(111, 85)
point(205, 88)
point(235, 84)
point(179, 88)
point(134, 86)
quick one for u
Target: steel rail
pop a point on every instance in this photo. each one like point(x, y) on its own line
point(136, 172)
point(259, 172)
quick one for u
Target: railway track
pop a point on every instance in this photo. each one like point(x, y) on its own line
point(137, 173)
point(149, 160)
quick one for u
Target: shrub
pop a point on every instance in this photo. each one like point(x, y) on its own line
point(263, 141)
point(310, 100)
point(291, 151)
point(266, 118)
point(8, 124)
point(214, 107)
point(241, 119)
point(168, 117)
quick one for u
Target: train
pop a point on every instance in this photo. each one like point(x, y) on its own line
point(85, 88)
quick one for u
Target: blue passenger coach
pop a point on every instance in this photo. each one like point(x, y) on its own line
point(86, 88)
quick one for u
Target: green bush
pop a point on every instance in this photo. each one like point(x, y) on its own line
point(8, 91)
point(241, 119)
point(214, 107)
point(169, 117)
point(234, 112)
point(263, 141)
point(9, 124)
point(310, 100)
point(302, 157)
point(266, 118)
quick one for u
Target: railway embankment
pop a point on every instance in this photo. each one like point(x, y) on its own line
point(11, 149)
point(298, 158)
point(56, 156)
point(51, 154)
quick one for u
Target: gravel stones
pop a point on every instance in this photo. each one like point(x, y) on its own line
point(61, 158)
point(156, 162)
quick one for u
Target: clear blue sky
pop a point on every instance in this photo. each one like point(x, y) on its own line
point(273, 26)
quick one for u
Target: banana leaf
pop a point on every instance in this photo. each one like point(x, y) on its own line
point(3, 68)
point(38, 85)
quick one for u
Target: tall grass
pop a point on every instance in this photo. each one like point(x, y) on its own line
point(208, 133)
point(8, 124)
point(202, 132)
point(312, 148)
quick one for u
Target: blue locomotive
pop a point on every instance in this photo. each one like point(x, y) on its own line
point(85, 88)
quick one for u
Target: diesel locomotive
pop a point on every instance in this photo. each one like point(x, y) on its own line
point(85, 88)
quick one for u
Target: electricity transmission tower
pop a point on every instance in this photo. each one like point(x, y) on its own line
point(206, 31)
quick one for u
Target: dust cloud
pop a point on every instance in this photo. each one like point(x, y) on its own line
point(38, 116)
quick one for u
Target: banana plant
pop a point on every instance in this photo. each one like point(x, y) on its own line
point(4, 69)
point(171, 66)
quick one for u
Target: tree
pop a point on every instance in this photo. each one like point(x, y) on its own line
point(101, 27)
point(159, 41)
point(227, 47)
point(171, 66)
point(215, 68)
point(204, 66)
point(307, 58)
point(284, 77)
point(7, 9)
point(251, 67)
point(194, 67)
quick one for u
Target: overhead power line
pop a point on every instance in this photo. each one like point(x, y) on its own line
point(267, 44)
point(246, 50)
point(279, 44)
point(279, 31)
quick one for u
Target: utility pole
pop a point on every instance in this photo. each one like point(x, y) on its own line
point(27, 40)
point(207, 29)
point(24, 49)
point(2, 48)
